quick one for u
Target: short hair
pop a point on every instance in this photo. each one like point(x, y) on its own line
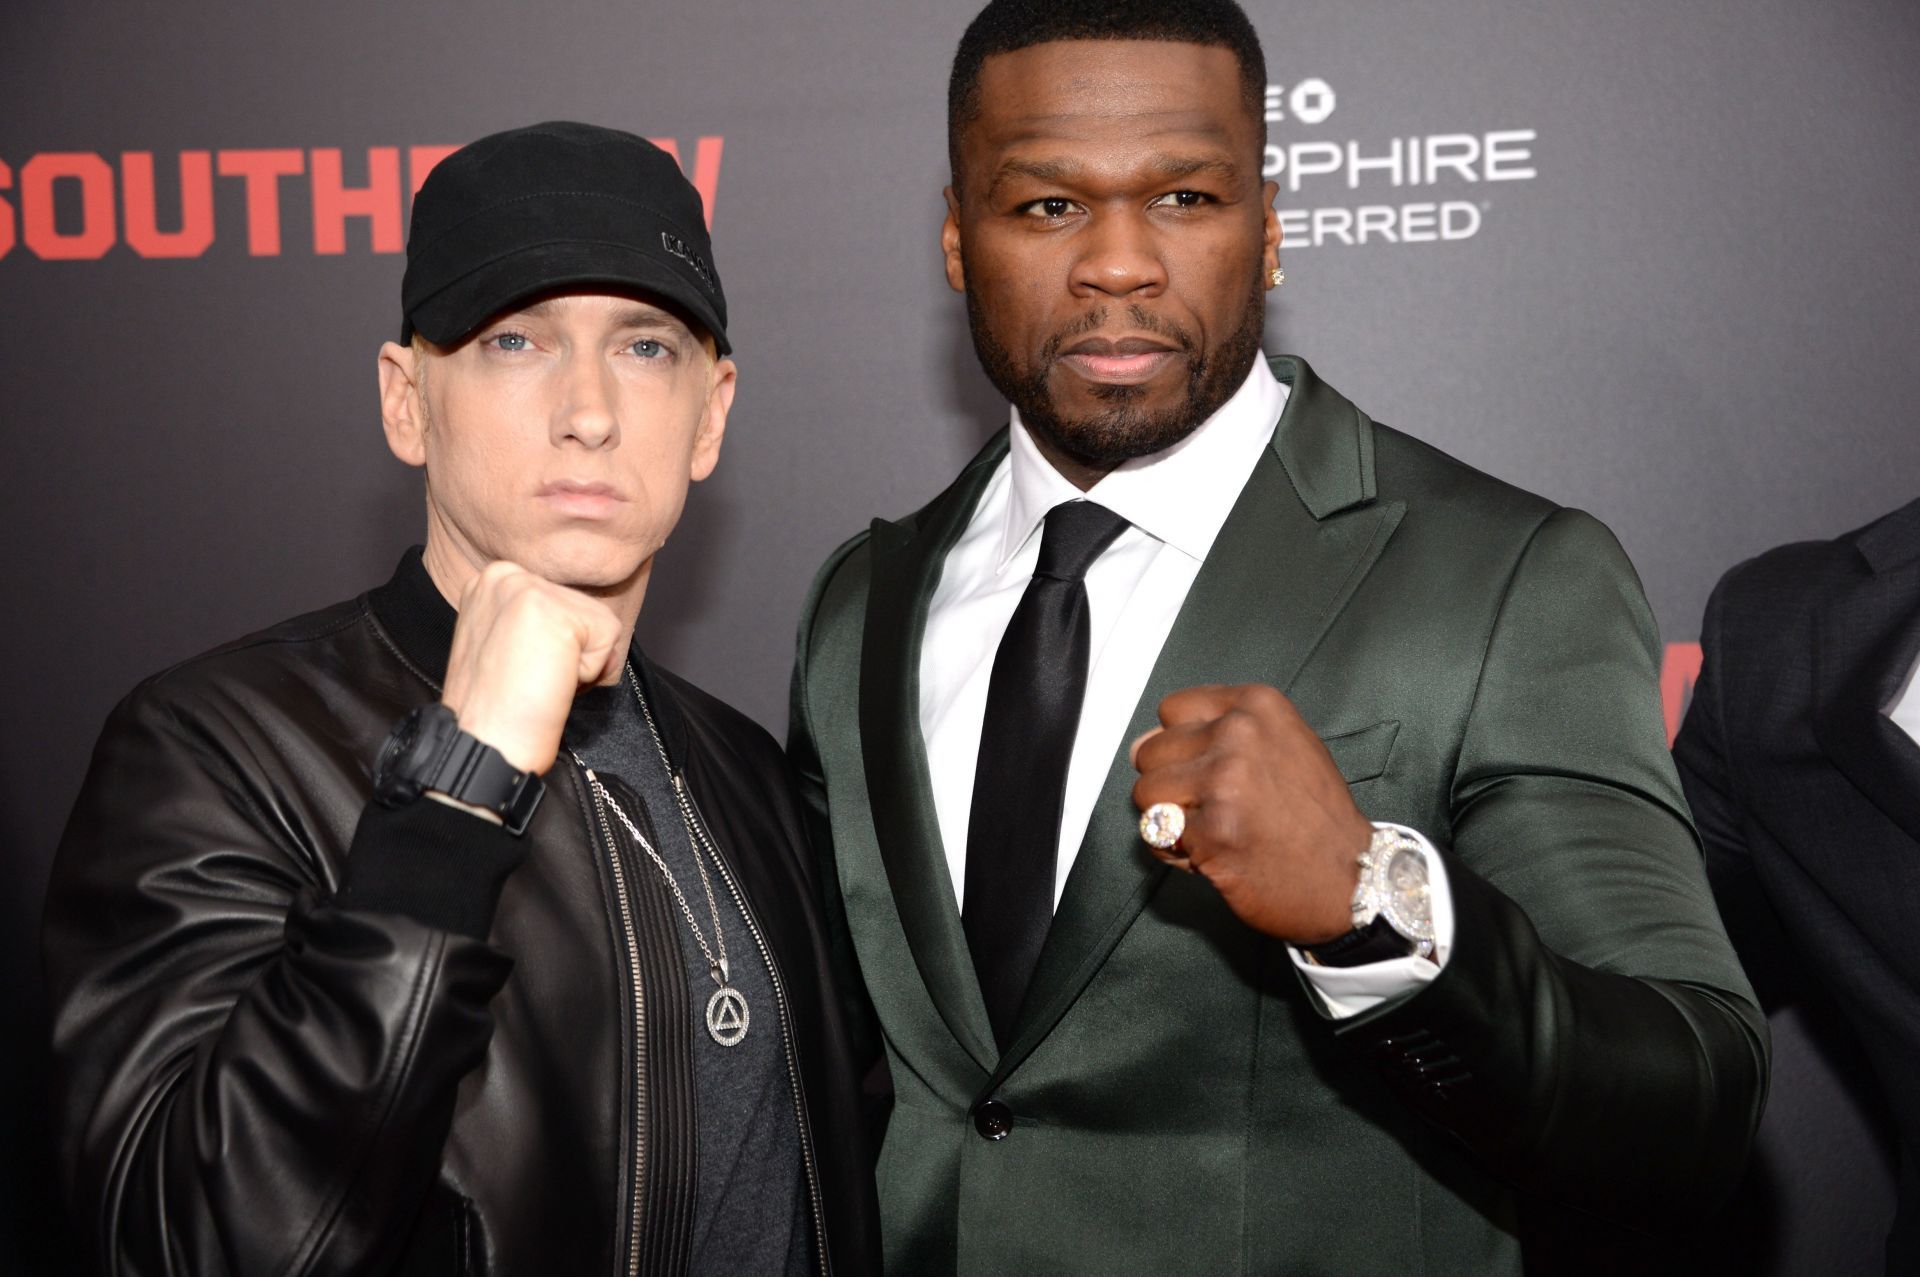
point(1005, 26)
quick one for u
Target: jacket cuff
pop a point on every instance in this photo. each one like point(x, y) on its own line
point(430, 862)
point(1491, 965)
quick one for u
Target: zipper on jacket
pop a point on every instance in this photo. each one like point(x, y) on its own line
point(690, 814)
point(639, 1080)
point(699, 825)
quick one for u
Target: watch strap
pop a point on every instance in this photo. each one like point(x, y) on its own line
point(447, 761)
point(473, 772)
point(1375, 942)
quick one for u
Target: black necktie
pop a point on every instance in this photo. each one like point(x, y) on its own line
point(1026, 741)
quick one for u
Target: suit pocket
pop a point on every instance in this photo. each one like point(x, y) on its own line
point(1363, 754)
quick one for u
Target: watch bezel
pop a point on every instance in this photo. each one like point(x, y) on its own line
point(1374, 898)
point(412, 754)
point(1418, 930)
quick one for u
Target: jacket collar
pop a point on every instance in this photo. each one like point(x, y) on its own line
point(1891, 541)
point(1866, 638)
point(1323, 441)
point(907, 557)
point(419, 620)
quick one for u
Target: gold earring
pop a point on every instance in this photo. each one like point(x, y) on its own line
point(1276, 277)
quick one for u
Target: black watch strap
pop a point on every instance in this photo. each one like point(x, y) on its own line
point(477, 774)
point(428, 751)
point(1376, 942)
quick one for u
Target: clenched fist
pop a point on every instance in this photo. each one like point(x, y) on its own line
point(1269, 820)
point(521, 649)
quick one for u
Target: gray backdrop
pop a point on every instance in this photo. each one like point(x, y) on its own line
point(1680, 292)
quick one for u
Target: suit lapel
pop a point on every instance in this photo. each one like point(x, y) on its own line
point(1302, 535)
point(1866, 640)
point(907, 558)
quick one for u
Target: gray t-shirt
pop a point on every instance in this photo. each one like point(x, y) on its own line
point(750, 1205)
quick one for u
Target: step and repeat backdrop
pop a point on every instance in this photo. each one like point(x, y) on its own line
point(1654, 260)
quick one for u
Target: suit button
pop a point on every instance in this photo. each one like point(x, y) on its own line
point(993, 1119)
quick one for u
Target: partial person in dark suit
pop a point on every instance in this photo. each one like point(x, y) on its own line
point(1435, 925)
point(1799, 758)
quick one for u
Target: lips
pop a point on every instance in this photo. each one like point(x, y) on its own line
point(1118, 361)
point(574, 487)
point(580, 499)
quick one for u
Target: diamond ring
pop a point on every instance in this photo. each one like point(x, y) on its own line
point(1162, 824)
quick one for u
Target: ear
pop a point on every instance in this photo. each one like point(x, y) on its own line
point(1271, 233)
point(713, 424)
point(950, 243)
point(402, 415)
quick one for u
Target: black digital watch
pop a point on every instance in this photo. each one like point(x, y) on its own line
point(428, 751)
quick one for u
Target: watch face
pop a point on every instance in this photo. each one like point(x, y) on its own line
point(396, 776)
point(1408, 904)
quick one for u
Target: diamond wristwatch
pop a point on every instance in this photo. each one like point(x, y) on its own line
point(1392, 910)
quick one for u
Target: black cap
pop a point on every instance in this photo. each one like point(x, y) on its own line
point(549, 207)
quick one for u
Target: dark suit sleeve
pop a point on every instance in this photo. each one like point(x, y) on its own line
point(1702, 753)
point(1710, 769)
point(250, 1076)
point(1592, 1037)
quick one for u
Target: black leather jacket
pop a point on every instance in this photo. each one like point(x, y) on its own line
point(296, 1032)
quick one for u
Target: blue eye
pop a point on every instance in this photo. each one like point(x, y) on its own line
point(648, 348)
point(508, 341)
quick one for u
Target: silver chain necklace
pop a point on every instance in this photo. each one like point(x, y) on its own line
point(727, 1008)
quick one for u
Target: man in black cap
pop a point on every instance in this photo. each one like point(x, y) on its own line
point(440, 931)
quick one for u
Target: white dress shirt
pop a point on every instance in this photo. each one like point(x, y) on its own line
point(1176, 502)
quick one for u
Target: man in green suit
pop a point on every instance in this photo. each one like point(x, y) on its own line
point(1413, 928)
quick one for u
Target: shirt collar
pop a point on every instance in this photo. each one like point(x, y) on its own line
point(1179, 495)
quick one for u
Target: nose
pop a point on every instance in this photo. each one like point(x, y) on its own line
point(585, 413)
point(1119, 257)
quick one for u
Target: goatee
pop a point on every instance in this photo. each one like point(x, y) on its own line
point(1122, 428)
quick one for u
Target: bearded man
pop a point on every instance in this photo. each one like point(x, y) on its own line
point(1255, 828)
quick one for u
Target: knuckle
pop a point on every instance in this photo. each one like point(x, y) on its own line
point(1224, 825)
point(1228, 777)
point(1259, 698)
point(517, 599)
point(1159, 751)
point(1237, 729)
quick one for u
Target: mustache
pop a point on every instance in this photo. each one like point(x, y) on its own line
point(1142, 319)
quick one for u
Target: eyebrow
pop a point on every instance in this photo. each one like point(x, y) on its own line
point(648, 317)
point(1168, 167)
point(637, 315)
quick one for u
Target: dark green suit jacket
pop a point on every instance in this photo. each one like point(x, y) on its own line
point(1482, 665)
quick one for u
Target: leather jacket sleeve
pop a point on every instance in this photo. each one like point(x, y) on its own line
point(252, 1077)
